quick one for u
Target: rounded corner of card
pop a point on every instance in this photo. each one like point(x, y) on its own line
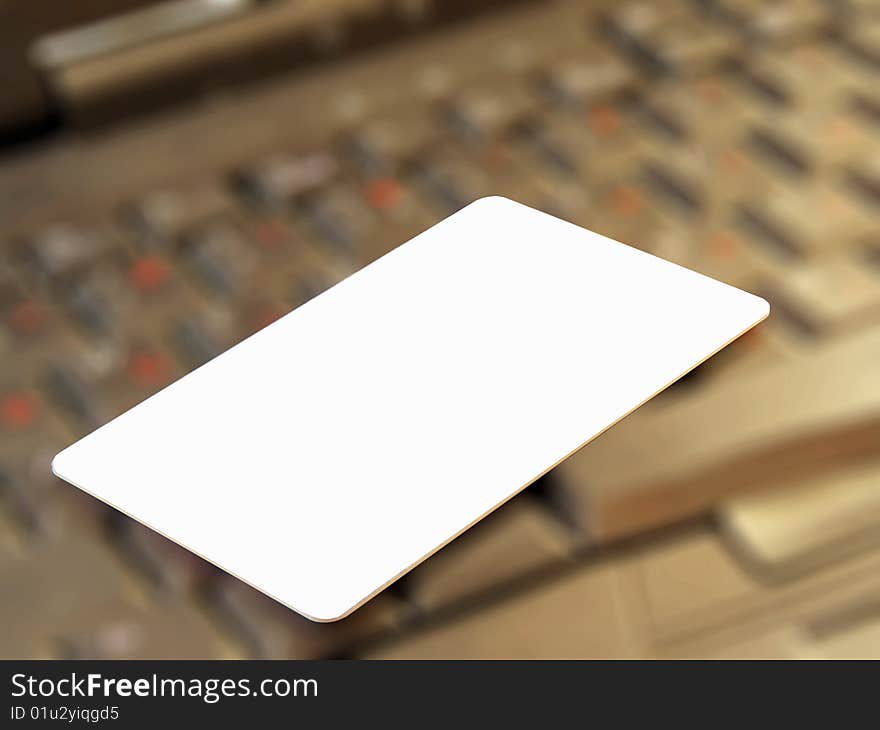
point(762, 309)
point(325, 614)
point(59, 465)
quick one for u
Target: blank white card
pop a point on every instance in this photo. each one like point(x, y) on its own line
point(325, 456)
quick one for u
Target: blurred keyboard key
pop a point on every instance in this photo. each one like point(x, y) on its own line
point(867, 105)
point(15, 508)
point(776, 223)
point(703, 601)
point(194, 343)
point(785, 152)
point(61, 249)
point(840, 294)
point(516, 540)
point(163, 564)
point(19, 409)
point(857, 9)
point(340, 219)
point(550, 151)
point(100, 300)
point(384, 193)
point(220, 257)
point(165, 215)
point(149, 273)
point(27, 317)
point(71, 394)
point(673, 186)
point(811, 522)
point(91, 311)
point(669, 39)
point(59, 578)
point(658, 118)
point(148, 367)
point(123, 629)
point(785, 22)
point(782, 642)
point(790, 420)
point(586, 77)
point(481, 115)
point(447, 191)
point(272, 234)
point(864, 176)
point(385, 143)
point(851, 633)
point(863, 41)
point(281, 178)
point(575, 616)
point(577, 156)
point(769, 81)
point(691, 578)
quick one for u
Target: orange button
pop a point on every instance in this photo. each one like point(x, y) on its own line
point(604, 120)
point(734, 161)
point(627, 200)
point(271, 234)
point(19, 410)
point(753, 339)
point(149, 273)
point(384, 193)
point(710, 90)
point(723, 245)
point(27, 317)
point(148, 368)
point(262, 315)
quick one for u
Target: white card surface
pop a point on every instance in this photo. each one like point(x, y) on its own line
point(323, 457)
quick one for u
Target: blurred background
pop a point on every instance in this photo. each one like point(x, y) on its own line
point(174, 176)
